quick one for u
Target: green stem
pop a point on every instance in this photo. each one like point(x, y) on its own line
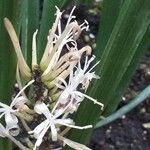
point(122, 111)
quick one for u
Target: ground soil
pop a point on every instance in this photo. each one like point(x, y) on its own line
point(128, 132)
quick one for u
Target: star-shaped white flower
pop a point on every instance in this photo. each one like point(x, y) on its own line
point(52, 122)
point(70, 93)
point(8, 111)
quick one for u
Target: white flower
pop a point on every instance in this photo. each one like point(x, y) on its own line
point(84, 75)
point(57, 42)
point(53, 121)
point(70, 93)
point(8, 111)
point(51, 64)
point(61, 59)
point(5, 133)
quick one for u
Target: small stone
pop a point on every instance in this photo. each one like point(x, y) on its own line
point(92, 36)
point(86, 38)
point(146, 125)
point(123, 117)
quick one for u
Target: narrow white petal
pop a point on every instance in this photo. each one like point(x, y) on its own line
point(4, 106)
point(53, 132)
point(62, 80)
point(3, 131)
point(72, 144)
point(49, 45)
point(93, 66)
point(60, 86)
point(20, 92)
point(66, 121)
point(61, 122)
point(54, 108)
point(12, 124)
point(2, 114)
point(40, 137)
point(90, 98)
point(2, 110)
point(20, 101)
point(63, 99)
point(70, 16)
point(34, 54)
point(41, 108)
point(38, 130)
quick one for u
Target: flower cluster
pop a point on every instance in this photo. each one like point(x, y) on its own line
point(59, 83)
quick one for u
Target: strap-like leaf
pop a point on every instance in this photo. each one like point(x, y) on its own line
point(110, 12)
point(30, 22)
point(10, 9)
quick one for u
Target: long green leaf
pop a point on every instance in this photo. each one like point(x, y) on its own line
point(30, 22)
point(128, 74)
point(108, 19)
point(126, 37)
point(10, 9)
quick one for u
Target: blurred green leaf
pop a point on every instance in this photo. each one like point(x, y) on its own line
point(30, 22)
point(144, 45)
point(110, 11)
point(65, 3)
point(10, 9)
point(126, 37)
point(85, 2)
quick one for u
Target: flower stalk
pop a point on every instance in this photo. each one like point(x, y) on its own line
point(58, 82)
